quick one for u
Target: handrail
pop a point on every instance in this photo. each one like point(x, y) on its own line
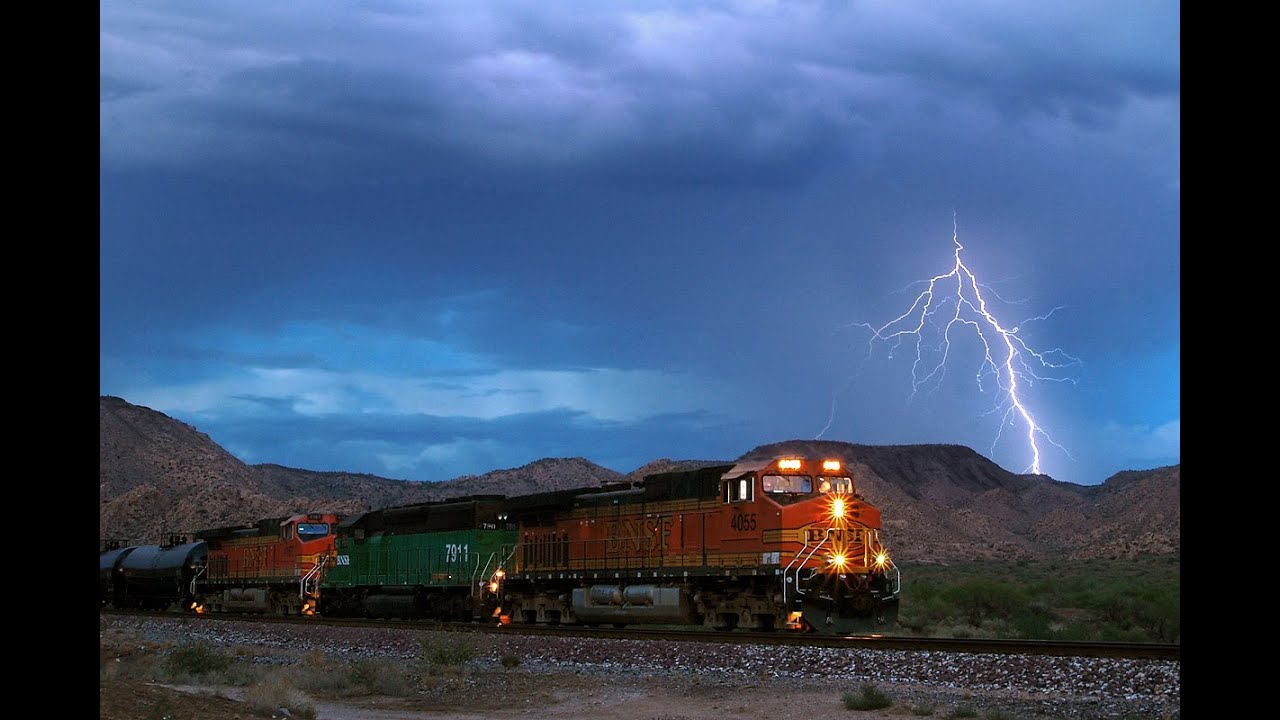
point(474, 585)
point(196, 577)
point(897, 578)
point(787, 570)
point(313, 573)
point(825, 536)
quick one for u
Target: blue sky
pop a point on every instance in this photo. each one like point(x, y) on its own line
point(429, 239)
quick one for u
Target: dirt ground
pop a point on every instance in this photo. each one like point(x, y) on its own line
point(554, 697)
point(129, 690)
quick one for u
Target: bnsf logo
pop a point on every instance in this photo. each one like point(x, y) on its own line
point(344, 560)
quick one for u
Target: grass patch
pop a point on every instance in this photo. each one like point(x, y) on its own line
point(510, 660)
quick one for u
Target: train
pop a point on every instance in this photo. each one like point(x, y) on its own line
point(779, 544)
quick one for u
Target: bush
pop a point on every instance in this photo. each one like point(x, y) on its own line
point(447, 651)
point(979, 599)
point(964, 711)
point(274, 694)
point(378, 677)
point(315, 658)
point(1120, 599)
point(327, 681)
point(869, 698)
point(195, 658)
point(510, 660)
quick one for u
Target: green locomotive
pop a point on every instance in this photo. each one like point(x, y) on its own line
point(444, 560)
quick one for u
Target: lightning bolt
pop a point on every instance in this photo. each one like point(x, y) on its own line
point(954, 302)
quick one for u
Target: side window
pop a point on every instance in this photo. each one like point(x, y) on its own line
point(286, 531)
point(740, 490)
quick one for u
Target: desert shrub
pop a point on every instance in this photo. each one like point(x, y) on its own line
point(275, 693)
point(962, 632)
point(132, 666)
point(448, 651)
point(978, 599)
point(1033, 622)
point(378, 677)
point(510, 660)
point(1126, 598)
point(195, 658)
point(963, 711)
point(326, 681)
point(917, 613)
point(1149, 610)
point(314, 658)
point(1115, 633)
point(922, 708)
point(997, 714)
point(868, 698)
point(1075, 632)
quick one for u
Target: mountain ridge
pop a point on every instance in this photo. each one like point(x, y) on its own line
point(940, 503)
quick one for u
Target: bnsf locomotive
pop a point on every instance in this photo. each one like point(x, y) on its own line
point(784, 543)
point(761, 545)
point(275, 566)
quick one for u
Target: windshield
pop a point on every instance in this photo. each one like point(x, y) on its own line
point(311, 531)
point(787, 484)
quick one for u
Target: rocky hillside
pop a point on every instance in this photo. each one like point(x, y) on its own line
point(947, 503)
point(159, 476)
point(941, 503)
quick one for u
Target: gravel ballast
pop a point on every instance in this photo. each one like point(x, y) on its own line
point(1019, 685)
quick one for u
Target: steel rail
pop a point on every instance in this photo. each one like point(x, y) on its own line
point(1063, 648)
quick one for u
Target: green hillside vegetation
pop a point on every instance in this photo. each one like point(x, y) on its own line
point(1133, 600)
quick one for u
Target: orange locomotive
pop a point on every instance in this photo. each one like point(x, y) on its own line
point(273, 566)
point(765, 544)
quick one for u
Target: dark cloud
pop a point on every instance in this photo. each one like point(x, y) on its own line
point(679, 214)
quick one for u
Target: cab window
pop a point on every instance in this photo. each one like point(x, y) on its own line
point(842, 485)
point(312, 531)
point(786, 484)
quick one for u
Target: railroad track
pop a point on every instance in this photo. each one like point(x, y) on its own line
point(1062, 648)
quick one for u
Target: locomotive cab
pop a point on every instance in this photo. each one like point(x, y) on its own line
point(820, 536)
point(273, 566)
